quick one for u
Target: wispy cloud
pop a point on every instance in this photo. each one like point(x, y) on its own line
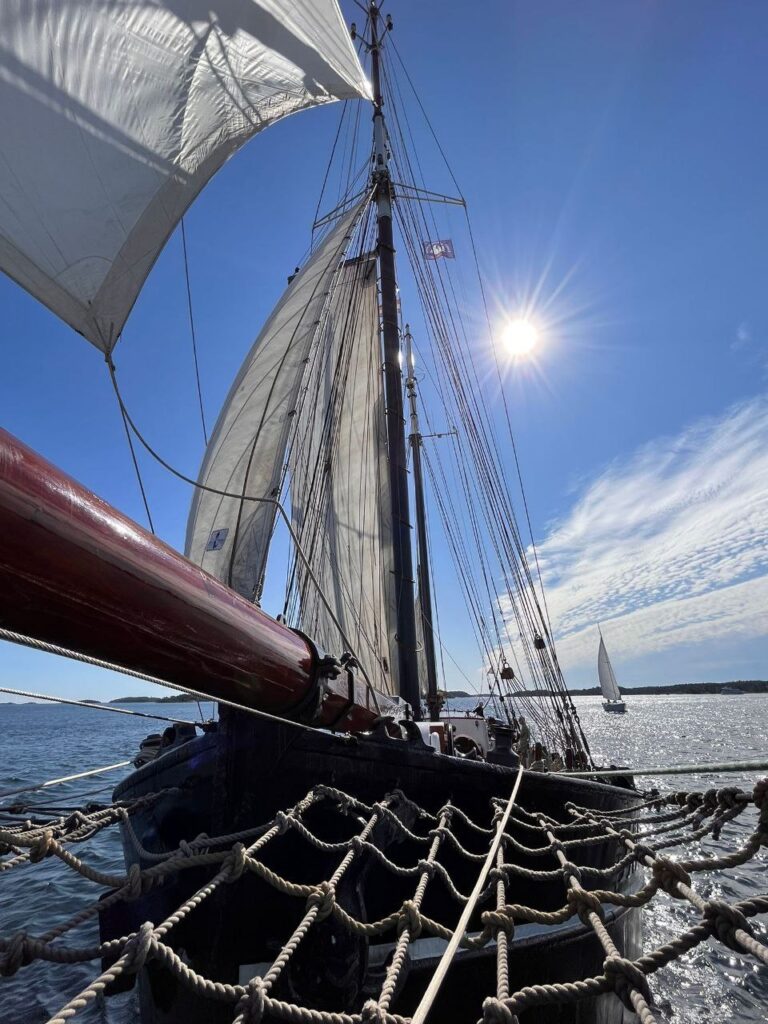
point(741, 338)
point(671, 544)
point(750, 349)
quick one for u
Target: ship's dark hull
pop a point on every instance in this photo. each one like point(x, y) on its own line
point(240, 776)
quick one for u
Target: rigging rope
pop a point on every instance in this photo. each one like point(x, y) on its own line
point(478, 464)
point(41, 645)
point(455, 519)
point(192, 329)
point(495, 354)
point(343, 114)
point(64, 778)
point(486, 311)
point(96, 706)
point(137, 470)
point(422, 1010)
point(241, 497)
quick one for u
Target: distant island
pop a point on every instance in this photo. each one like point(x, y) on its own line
point(736, 685)
point(175, 698)
point(745, 685)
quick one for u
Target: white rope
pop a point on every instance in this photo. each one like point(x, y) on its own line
point(422, 1010)
point(96, 706)
point(41, 645)
point(64, 778)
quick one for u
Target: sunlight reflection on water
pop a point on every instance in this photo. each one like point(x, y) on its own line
point(709, 983)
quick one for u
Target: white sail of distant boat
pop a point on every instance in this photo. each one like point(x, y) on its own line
point(610, 688)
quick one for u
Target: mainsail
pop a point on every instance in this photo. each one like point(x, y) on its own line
point(116, 113)
point(229, 536)
point(608, 683)
point(340, 495)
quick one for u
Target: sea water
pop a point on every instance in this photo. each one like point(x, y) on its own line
point(39, 741)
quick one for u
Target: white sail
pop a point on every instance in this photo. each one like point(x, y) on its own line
point(339, 483)
point(115, 114)
point(227, 536)
point(608, 683)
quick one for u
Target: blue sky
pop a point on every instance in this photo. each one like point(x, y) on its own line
point(613, 156)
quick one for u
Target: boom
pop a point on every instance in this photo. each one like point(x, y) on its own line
point(77, 573)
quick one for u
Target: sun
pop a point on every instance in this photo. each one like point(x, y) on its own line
point(520, 337)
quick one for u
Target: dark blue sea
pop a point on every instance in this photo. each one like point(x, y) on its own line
point(40, 741)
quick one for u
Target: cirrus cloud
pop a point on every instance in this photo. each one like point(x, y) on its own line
point(670, 544)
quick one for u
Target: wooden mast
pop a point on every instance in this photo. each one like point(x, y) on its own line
point(393, 394)
point(425, 586)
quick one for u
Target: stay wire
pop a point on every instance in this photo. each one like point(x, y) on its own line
point(485, 306)
point(192, 330)
point(95, 706)
point(87, 659)
point(509, 427)
point(469, 368)
point(63, 779)
point(329, 164)
point(520, 550)
point(426, 118)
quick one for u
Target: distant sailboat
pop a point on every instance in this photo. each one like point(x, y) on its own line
point(612, 700)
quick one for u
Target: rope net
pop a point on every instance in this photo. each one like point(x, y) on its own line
point(643, 836)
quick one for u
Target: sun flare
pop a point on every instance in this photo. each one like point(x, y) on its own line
point(520, 337)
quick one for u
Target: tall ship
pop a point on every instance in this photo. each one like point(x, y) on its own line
point(314, 485)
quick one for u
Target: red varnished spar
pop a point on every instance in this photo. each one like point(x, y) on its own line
point(76, 572)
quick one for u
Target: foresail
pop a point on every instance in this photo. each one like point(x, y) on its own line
point(116, 113)
point(608, 683)
point(339, 484)
point(229, 536)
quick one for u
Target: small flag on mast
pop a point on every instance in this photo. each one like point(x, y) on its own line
point(436, 250)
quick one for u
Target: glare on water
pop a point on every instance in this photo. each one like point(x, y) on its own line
point(709, 983)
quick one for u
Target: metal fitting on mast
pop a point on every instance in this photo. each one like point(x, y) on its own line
point(381, 176)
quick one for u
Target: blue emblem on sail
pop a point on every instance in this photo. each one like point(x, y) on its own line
point(216, 540)
point(434, 250)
